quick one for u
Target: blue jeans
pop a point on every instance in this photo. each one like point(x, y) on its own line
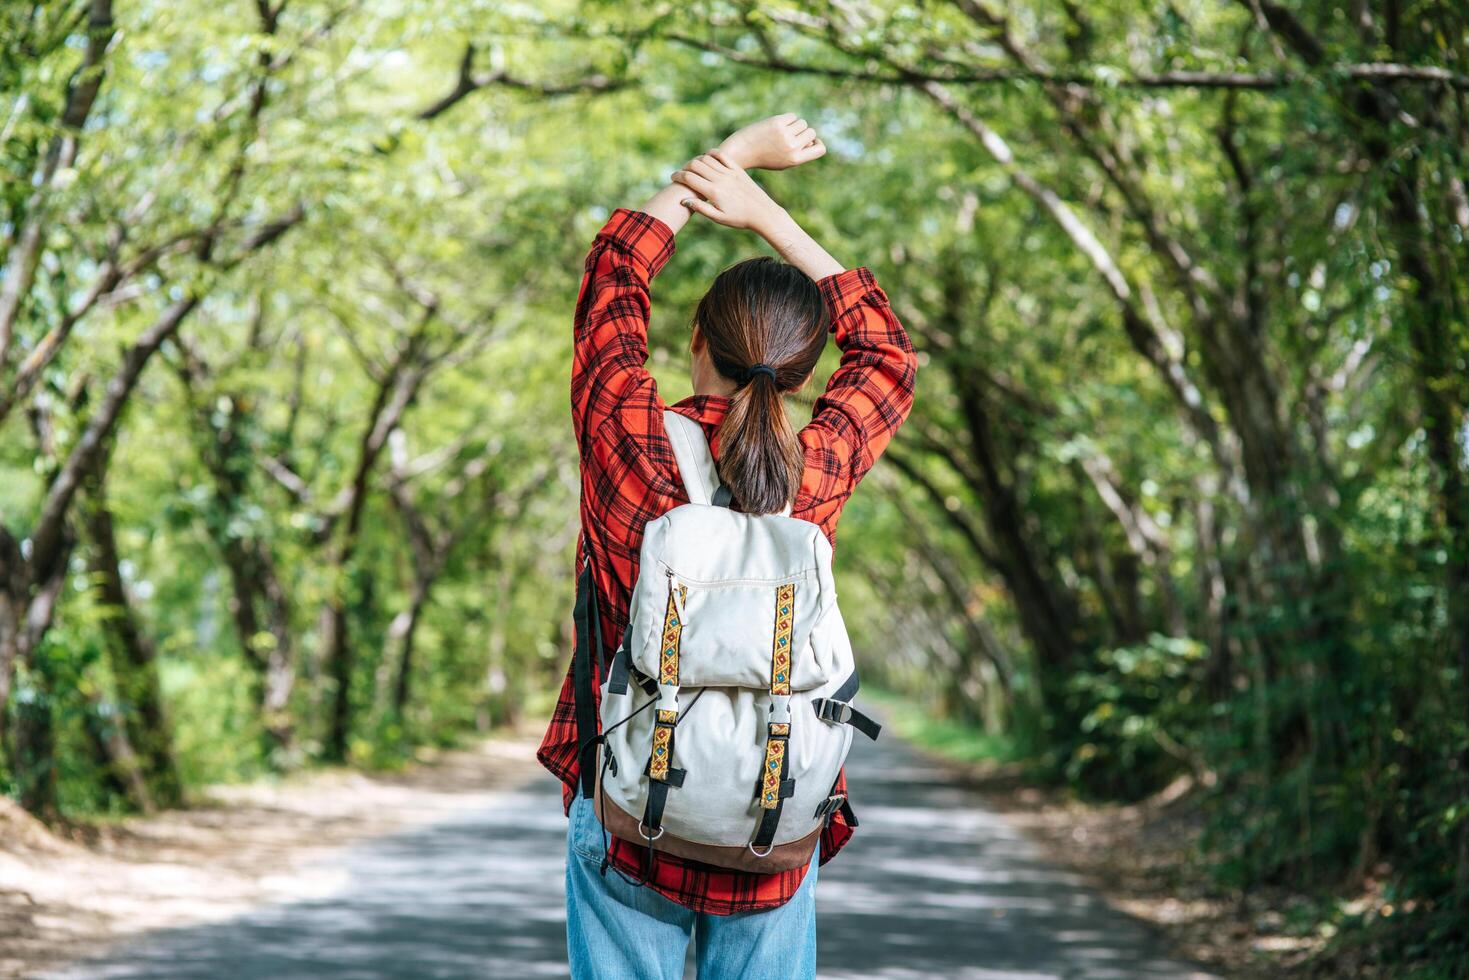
point(618, 931)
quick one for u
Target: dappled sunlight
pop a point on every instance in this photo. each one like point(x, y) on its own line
point(936, 885)
point(477, 895)
point(933, 885)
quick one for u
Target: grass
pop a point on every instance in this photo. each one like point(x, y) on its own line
point(957, 741)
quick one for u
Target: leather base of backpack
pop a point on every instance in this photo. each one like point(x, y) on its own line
point(782, 857)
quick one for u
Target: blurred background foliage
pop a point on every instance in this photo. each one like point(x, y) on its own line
point(285, 474)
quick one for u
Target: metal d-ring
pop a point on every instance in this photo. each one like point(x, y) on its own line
point(643, 833)
point(770, 847)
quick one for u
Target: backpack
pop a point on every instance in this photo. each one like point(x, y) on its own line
point(727, 709)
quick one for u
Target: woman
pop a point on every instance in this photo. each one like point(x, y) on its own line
point(761, 314)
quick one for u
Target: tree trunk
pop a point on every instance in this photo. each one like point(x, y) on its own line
point(32, 741)
point(259, 605)
point(130, 654)
point(33, 746)
point(261, 611)
point(396, 390)
point(280, 668)
point(406, 628)
point(1047, 609)
point(1439, 382)
point(14, 587)
point(982, 641)
point(337, 663)
point(114, 753)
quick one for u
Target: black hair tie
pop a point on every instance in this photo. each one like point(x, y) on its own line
point(749, 373)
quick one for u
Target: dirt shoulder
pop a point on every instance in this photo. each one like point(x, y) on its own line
point(69, 893)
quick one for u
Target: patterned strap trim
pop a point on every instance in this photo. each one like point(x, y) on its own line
point(775, 754)
point(672, 631)
point(662, 749)
point(780, 685)
point(662, 752)
point(780, 653)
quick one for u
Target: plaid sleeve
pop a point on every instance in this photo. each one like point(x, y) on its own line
point(866, 400)
point(610, 336)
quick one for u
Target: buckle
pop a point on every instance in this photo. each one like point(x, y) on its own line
point(667, 702)
point(780, 709)
point(837, 711)
point(829, 805)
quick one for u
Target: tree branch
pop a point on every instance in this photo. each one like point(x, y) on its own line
point(47, 535)
point(1146, 337)
point(49, 528)
point(1100, 78)
point(469, 82)
point(966, 528)
point(82, 88)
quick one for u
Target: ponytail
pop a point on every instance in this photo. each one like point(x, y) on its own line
point(759, 459)
point(766, 325)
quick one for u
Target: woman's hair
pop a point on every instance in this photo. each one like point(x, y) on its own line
point(762, 311)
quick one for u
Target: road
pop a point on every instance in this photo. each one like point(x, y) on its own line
point(933, 886)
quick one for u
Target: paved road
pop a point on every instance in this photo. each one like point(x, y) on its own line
point(933, 886)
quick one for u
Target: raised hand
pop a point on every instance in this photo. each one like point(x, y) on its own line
point(724, 193)
point(729, 195)
point(775, 143)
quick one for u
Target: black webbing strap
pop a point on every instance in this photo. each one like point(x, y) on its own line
point(596, 616)
point(660, 770)
point(849, 687)
point(651, 826)
point(836, 708)
point(829, 805)
point(675, 775)
point(770, 819)
point(586, 664)
point(653, 812)
point(722, 497)
point(617, 673)
point(830, 709)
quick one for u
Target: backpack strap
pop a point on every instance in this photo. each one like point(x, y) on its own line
point(660, 771)
point(695, 463)
point(586, 663)
point(838, 709)
point(774, 786)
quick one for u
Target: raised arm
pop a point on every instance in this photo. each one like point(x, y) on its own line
point(866, 399)
point(871, 391)
point(727, 194)
point(775, 143)
point(610, 333)
point(610, 337)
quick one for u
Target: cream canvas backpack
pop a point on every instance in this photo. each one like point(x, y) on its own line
point(727, 711)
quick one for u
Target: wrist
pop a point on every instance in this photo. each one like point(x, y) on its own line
point(734, 152)
point(774, 224)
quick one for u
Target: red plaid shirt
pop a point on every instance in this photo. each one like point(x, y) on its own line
point(629, 477)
